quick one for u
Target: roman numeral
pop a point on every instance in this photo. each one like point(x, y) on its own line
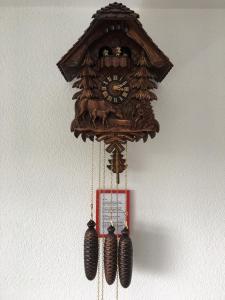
point(109, 79)
point(115, 77)
point(105, 94)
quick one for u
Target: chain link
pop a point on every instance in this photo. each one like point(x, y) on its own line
point(92, 179)
point(117, 221)
point(103, 241)
point(98, 285)
point(111, 201)
point(126, 176)
point(99, 165)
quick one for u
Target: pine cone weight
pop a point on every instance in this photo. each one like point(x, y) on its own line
point(110, 256)
point(125, 258)
point(91, 251)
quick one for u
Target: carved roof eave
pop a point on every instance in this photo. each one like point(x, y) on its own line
point(73, 58)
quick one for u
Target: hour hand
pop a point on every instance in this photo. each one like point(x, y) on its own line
point(117, 88)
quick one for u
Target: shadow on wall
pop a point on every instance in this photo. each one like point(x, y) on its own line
point(152, 249)
point(155, 246)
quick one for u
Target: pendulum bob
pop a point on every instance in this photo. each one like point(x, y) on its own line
point(125, 258)
point(91, 251)
point(110, 256)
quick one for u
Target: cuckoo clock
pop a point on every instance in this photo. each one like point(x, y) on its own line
point(115, 66)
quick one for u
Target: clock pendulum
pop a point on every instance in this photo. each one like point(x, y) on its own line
point(116, 67)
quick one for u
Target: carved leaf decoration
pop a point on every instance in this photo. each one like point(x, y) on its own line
point(84, 137)
point(85, 83)
point(143, 61)
point(87, 61)
point(86, 71)
point(76, 95)
point(143, 83)
point(142, 72)
point(117, 162)
point(144, 95)
point(145, 137)
point(85, 94)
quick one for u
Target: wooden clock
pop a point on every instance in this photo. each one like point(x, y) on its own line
point(116, 67)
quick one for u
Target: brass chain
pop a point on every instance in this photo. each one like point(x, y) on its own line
point(92, 179)
point(100, 290)
point(99, 243)
point(111, 201)
point(117, 285)
point(126, 175)
point(103, 241)
point(102, 278)
point(99, 165)
point(98, 285)
point(104, 158)
point(117, 221)
point(117, 191)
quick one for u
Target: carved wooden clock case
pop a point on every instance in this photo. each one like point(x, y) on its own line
point(116, 66)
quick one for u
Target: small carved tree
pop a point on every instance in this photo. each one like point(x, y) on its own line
point(87, 83)
point(142, 81)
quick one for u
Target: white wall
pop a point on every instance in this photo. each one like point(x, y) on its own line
point(178, 203)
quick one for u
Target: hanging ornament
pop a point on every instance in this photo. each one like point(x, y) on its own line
point(91, 251)
point(125, 258)
point(110, 255)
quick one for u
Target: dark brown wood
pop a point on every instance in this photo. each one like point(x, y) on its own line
point(91, 251)
point(110, 256)
point(114, 18)
point(125, 258)
point(116, 66)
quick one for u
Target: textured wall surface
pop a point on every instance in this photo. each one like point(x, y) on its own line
point(178, 198)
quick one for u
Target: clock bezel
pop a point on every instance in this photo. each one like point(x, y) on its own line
point(115, 96)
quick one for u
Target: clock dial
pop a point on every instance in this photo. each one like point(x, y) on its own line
point(115, 88)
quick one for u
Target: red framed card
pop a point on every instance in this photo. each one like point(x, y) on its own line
point(121, 210)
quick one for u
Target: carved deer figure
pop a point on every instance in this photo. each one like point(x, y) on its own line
point(103, 115)
point(96, 109)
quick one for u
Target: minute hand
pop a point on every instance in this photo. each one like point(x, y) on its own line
point(122, 84)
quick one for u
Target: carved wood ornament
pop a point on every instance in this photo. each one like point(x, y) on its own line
point(116, 67)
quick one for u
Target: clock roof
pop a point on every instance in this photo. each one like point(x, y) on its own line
point(71, 61)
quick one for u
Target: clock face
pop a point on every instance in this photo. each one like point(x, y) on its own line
point(115, 88)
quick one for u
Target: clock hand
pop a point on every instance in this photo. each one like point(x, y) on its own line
point(117, 88)
point(122, 84)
